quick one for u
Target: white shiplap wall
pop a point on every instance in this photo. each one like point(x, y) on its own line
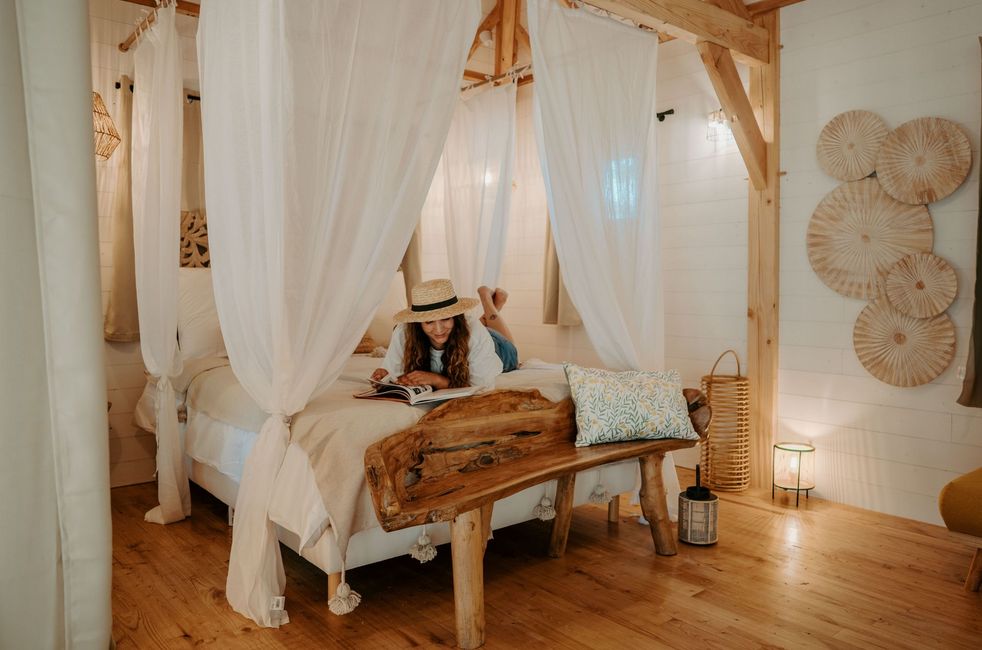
point(131, 451)
point(879, 447)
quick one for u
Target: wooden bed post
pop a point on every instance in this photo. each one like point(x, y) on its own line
point(614, 509)
point(467, 551)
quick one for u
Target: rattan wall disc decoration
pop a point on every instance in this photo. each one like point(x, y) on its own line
point(858, 232)
point(849, 143)
point(921, 285)
point(924, 160)
point(902, 350)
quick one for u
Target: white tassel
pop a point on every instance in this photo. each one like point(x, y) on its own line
point(378, 352)
point(599, 494)
point(344, 600)
point(544, 510)
point(423, 550)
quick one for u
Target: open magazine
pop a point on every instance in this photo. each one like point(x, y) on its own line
point(385, 389)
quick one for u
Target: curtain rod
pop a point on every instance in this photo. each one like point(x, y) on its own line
point(188, 95)
point(182, 6)
point(518, 72)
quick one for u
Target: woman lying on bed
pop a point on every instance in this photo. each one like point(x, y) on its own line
point(435, 344)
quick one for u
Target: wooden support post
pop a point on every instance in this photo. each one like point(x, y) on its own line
point(564, 515)
point(504, 44)
point(723, 74)
point(333, 580)
point(467, 551)
point(614, 509)
point(654, 506)
point(974, 579)
point(764, 262)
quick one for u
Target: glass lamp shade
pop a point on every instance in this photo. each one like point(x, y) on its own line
point(105, 134)
point(794, 466)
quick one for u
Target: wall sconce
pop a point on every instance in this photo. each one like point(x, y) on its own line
point(105, 134)
point(718, 129)
point(794, 468)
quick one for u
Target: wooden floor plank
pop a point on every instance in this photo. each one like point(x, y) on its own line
point(821, 575)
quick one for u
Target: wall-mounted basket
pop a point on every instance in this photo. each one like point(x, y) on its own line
point(725, 455)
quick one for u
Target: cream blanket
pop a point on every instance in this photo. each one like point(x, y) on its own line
point(335, 429)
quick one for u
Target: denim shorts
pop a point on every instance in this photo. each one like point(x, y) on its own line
point(506, 351)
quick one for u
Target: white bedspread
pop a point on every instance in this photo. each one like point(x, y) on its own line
point(335, 429)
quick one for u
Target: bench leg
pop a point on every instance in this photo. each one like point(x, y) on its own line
point(614, 509)
point(467, 550)
point(654, 506)
point(564, 515)
point(974, 579)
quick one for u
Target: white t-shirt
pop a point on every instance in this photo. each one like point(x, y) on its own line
point(484, 362)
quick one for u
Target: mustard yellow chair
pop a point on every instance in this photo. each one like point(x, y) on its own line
point(961, 508)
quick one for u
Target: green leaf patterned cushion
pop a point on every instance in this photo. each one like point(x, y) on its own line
point(631, 405)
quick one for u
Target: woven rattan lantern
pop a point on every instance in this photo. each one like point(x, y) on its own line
point(105, 133)
point(725, 454)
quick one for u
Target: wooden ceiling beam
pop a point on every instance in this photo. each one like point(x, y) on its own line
point(729, 88)
point(762, 7)
point(733, 6)
point(490, 22)
point(183, 7)
point(695, 20)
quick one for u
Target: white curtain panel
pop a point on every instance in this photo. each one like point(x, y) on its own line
point(55, 535)
point(595, 122)
point(478, 160)
point(323, 123)
point(158, 131)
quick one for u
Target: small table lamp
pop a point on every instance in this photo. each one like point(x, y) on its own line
point(794, 468)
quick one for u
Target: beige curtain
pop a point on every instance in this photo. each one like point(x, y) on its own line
point(557, 308)
point(193, 170)
point(411, 266)
point(121, 322)
point(55, 528)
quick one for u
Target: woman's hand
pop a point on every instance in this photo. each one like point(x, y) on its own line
point(423, 378)
point(379, 374)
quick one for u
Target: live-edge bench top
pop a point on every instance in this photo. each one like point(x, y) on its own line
point(473, 451)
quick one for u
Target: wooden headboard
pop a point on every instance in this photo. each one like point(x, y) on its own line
point(194, 239)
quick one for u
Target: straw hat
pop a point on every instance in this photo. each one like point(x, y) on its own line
point(434, 300)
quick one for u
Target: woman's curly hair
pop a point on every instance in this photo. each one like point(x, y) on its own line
point(416, 355)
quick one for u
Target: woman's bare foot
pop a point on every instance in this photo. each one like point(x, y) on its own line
point(499, 297)
point(487, 302)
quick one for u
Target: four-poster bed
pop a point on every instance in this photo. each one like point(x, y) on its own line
point(722, 31)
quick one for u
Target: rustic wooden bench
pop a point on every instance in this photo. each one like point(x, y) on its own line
point(466, 454)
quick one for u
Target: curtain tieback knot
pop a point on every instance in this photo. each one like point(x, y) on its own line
point(283, 417)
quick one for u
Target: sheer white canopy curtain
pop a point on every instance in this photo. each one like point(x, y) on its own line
point(323, 126)
point(595, 122)
point(478, 159)
point(55, 531)
point(158, 133)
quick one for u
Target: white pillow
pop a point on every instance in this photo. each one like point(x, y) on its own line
point(198, 332)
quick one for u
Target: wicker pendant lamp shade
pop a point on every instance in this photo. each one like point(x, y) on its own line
point(849, 143)
point(106, 136)
point(924, 160)
point(921, 285)
point(901, 350)
point(858, 232)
